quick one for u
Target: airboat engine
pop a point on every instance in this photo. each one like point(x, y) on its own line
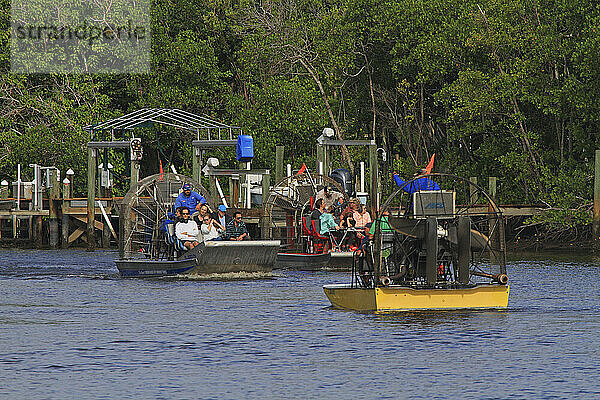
point(344, 178)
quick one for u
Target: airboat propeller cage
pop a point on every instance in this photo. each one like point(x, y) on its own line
point(145, 206)
point(451, 235)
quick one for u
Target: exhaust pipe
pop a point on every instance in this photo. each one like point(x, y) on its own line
point(385, 281)
point(500, 278)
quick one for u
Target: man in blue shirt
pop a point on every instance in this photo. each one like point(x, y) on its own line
point(189, 199)
point(423, 183)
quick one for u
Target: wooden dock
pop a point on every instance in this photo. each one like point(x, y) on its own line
point(33, 228)
point(69, 215)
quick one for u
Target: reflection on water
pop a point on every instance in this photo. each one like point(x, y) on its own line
point(437, 317)
point(70, 327)
point(575, 256)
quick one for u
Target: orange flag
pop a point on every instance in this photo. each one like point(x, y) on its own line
point(160, 170)
point(301, 171)
point(429, 166)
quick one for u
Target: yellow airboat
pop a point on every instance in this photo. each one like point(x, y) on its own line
point(431, 249)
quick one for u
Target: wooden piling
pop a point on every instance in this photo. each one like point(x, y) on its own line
point(66, 193)
point(212, 190)
point(494, 223)
point(266, 187)
point(374, 175)
point(231, 190)
point(36, 230)
point(135, 173)
point(279, 152)
point(105, 235)
point(196, 163)
point(492, 185)
point(596, 213)
point(473, 190)
point(91, 192)
point(53, 195)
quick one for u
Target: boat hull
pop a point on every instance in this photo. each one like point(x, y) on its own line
point(213, 258)
point(302, 261)
point(392, 298)
point(341, 260)
point(153, 268)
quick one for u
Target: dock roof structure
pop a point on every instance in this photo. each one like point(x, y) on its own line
point(205, 128)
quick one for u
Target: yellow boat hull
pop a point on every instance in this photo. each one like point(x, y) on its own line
point(404, 298)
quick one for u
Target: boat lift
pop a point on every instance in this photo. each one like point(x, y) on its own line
point(114, 134)
point(325, 143)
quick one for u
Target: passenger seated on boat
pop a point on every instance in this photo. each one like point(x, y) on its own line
point(186, 230)
point(361, 216)
point(220, 215)
point(319, 208)
point(236, 229)
point(203, 212)
point(384, 224)
point(211, 229)
point(329, 227)
point(339, 208)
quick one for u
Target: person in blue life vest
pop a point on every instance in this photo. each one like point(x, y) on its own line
point(422, 183)
point(190, 199)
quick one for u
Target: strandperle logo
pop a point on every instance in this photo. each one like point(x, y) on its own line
point(91, 36)
point(85, 32)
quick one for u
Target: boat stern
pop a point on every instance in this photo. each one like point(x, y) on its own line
point(390, 298)
point(351, 298)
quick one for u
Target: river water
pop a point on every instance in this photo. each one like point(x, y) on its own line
point(71, 328)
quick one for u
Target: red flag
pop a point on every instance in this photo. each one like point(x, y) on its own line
point(301, 171)
point(160, 171)
point(429, 166)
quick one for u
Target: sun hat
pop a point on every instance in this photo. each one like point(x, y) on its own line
point(222, 208)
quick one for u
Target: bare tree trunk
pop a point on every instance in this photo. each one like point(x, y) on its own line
point(336, 128)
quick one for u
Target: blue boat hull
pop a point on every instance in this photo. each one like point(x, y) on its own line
point(153, 268)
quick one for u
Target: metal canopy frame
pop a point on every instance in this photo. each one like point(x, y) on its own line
point(171, 117)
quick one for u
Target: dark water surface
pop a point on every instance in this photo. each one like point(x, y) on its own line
point(70, 328)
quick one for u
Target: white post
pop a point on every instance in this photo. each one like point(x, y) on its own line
point(112, 230)
point(248, 194)
point(35, 182)
point(18, 186)
point(362, 176)
point(221, 195)
point(289, 170)
point(320, 172)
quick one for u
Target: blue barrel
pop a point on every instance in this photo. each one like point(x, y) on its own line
point(245, 148)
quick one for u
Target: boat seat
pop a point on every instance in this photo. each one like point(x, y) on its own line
point(307, 237)
point(305, 229)
point(175, 246)
point(321, 242)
